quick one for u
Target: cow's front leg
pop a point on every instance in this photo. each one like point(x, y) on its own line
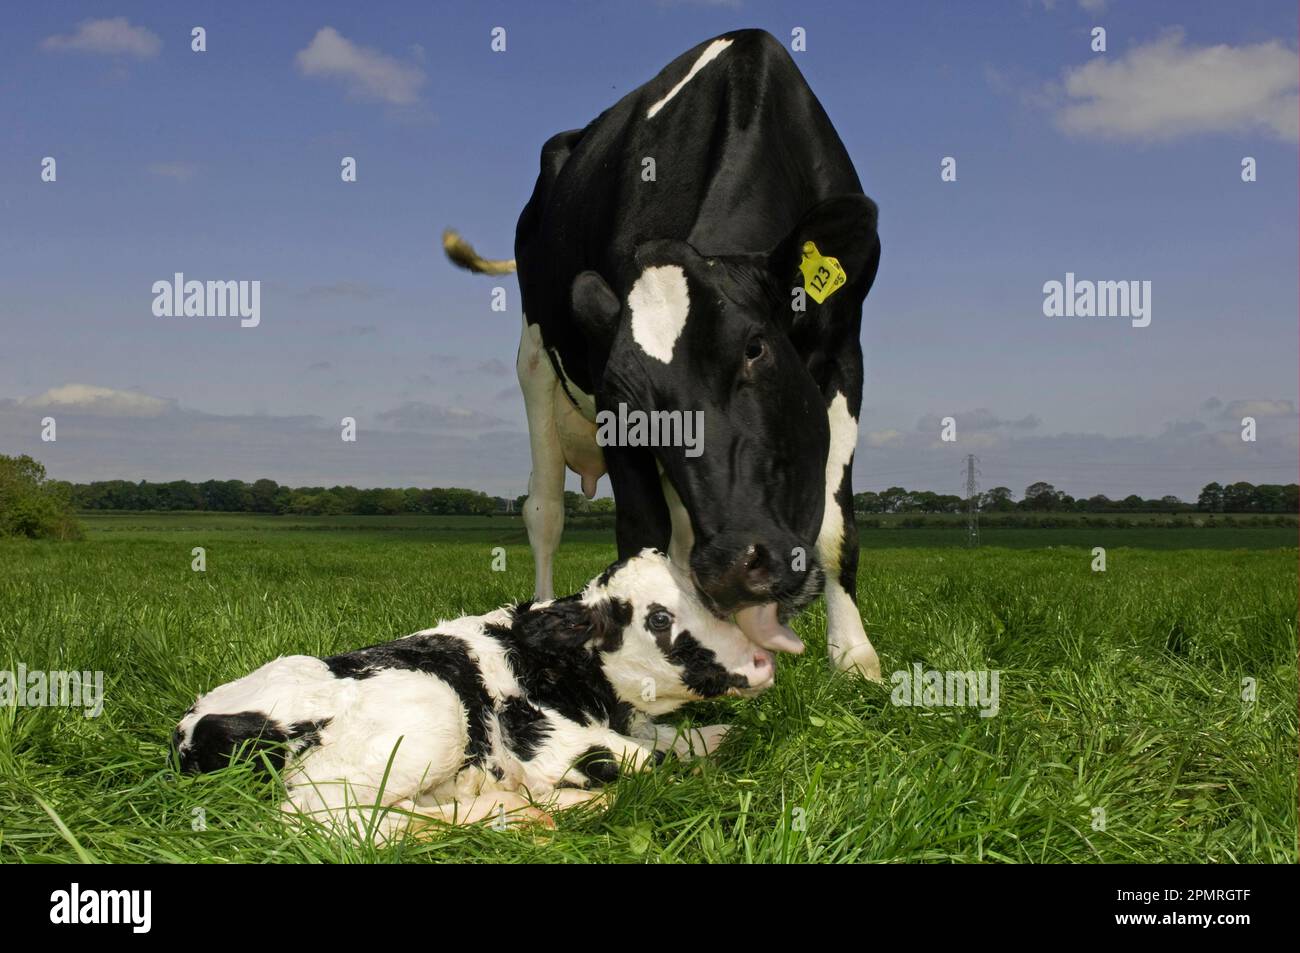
point(544, 508)
point(837, 550)
point(641, 515)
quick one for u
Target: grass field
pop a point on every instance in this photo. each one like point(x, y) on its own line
point(1120, 691)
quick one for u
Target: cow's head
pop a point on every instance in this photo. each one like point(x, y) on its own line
point(723, 335)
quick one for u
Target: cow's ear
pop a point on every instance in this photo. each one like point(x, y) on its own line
point(595, 306)
point(842, 228)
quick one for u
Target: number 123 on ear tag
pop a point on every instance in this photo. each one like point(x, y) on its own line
point(822, 276)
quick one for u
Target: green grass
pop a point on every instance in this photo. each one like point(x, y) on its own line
point(1119, 690)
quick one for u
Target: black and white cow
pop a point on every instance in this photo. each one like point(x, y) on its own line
point(705, 245)
point(486, 716)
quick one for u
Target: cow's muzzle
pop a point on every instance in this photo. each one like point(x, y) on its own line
point(777, 578)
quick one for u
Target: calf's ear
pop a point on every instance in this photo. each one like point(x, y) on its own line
point(842, 227)
point(595, 306)
point(572, 624)
point(609, 617)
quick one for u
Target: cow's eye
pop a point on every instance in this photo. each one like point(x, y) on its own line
point(755, 349)
point(661, 620)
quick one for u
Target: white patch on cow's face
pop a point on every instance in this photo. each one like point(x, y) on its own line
point(711, 53)
point(659, 302)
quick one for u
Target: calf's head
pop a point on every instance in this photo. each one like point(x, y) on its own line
point(658, 645)
point(735, 341)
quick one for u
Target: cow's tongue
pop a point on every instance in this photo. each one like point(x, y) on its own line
point(760, 625)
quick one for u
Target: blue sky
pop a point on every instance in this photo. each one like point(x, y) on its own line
point(225, 165)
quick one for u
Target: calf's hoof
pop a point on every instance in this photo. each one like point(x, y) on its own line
point(531, 817)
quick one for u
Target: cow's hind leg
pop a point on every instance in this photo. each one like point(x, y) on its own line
point(544, 508)
point(837, 549)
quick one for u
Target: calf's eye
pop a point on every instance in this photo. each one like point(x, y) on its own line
point(755, 349)
point(661, 620)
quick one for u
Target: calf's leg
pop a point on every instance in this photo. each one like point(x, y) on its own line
point(504, 808)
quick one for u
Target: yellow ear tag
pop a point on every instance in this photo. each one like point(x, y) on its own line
point(822, 276)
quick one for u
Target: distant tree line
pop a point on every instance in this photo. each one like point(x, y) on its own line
point(1248, 498)
point(32, 505)
point(1045, 498)
point(267, 496)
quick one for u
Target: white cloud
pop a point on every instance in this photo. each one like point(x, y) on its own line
point(1166, 89)
point(298, 451)
point(114, 36)
point(111, 434)
point(98, 402)
point(367, 73)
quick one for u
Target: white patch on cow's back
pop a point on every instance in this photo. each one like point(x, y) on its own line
point(659, 302)
point(711, 53)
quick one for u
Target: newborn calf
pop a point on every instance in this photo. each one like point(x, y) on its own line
point(485, 716)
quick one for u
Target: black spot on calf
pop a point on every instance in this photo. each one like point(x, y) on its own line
point(702, 673)
point(523, 727)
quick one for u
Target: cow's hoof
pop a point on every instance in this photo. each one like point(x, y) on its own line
point(861, 659)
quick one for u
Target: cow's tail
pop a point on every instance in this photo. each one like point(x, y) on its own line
point(462, 253)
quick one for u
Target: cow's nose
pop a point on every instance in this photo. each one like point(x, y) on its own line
point(752, 572)
point(746, 568)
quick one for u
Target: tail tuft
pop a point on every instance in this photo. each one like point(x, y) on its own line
point(462, 254)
